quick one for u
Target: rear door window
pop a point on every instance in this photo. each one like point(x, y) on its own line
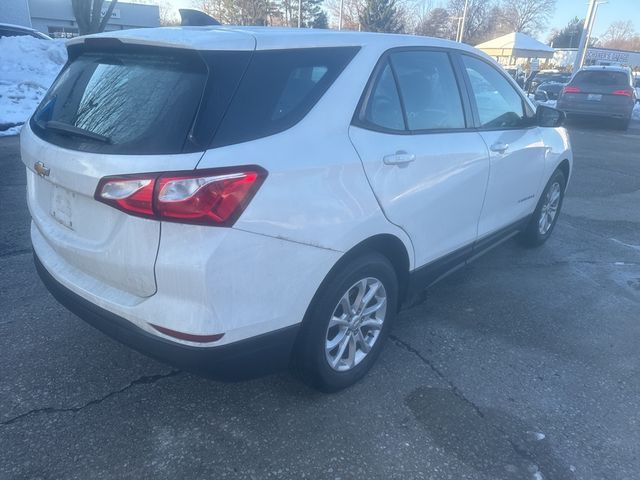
point(429, 90)
point(384, 109)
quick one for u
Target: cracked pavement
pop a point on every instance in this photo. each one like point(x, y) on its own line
point(525, 365)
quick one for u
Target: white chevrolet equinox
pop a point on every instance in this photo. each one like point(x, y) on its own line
point(235, 200)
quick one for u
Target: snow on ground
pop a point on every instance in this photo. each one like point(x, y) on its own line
point(548, 103)
point(28, 66)
point(636, 112)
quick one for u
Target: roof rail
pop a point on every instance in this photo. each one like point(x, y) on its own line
point(195, 18)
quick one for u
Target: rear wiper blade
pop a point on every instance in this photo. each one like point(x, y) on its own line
point(65, 128)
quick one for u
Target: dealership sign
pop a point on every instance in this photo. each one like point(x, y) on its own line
point(114, 14)
point(608, 56)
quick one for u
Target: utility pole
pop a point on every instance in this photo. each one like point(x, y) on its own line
point(459, 20)
point(464, 19)
point(299, 13)
point(340, 19)
point(586, 34)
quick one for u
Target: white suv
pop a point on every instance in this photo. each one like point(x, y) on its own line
point(235, 200)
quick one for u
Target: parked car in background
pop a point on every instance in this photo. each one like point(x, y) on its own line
point(548, 91)
point(543, 76)
point(279, 210)
point(517, 74)
point(9, 30)
point(600, 91)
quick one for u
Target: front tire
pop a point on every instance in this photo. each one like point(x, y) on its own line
point(347, 323)
point(546, 214)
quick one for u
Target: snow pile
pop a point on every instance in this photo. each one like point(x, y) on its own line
point(548, 103)
point(28, 66)
point(636, 112)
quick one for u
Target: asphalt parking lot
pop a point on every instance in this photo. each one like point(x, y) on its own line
point(523, 366)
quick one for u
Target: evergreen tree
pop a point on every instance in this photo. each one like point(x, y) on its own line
point(381, 16)
point(320, 20)
point(312, 14)
point(569, 36)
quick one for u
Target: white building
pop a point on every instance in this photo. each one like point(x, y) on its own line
point(564, 57)
point(15, 12)
point(56, 19)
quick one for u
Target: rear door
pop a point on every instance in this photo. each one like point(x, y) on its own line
point(515, 146)
point(114, 112)
point(427, 170)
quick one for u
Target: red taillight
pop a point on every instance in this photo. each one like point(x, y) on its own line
point(571, 90)
point(626, 93)
point(127, 193)
point(217, 199)
point(204, 197)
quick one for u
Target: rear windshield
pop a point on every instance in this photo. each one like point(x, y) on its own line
point(617, 79)
point(124, 102)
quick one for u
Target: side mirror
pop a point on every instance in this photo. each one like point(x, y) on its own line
point(549, 117)
point(541, 96)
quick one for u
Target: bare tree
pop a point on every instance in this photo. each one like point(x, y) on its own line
point(351, 11)
point(236, 12)
point(168, 14)
point(479, 19)
point(89, 16)
point(166, 9)
point(620, 34)
point(527, 16)
point(437, 23)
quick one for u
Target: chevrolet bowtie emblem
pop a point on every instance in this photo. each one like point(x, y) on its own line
point(41, 169)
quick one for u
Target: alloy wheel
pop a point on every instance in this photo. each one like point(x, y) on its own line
point(355, 324)
point(549, 208)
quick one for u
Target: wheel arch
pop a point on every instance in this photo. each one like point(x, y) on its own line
point(385, 244)
point(565, 168)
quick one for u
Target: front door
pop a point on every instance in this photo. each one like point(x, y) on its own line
point(515, 146)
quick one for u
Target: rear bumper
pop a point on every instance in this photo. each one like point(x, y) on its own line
point(609, 111)
point(240, 360)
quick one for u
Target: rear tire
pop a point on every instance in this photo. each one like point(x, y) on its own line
point(336, 317)
point(624, 124)
point(545, 216)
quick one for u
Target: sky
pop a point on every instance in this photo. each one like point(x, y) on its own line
point(612, 11)
point(609, 12)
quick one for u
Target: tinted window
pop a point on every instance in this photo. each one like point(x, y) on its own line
point(499, 104)
point(383, 108)
point(616, 79)
point(428, 89)
point(142, 103)
point(278, 90)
